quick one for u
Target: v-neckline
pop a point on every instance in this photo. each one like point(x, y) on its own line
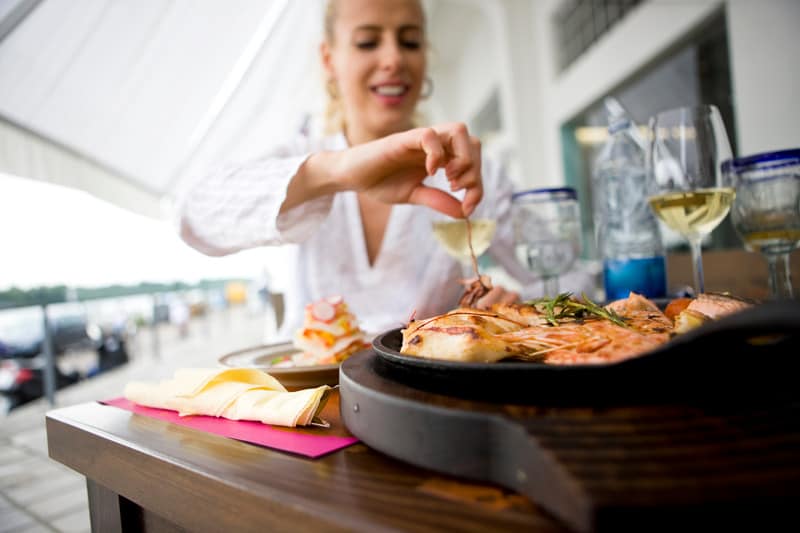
point(357, 235)
point(359, 238)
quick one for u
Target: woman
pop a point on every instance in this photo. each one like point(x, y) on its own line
point(352, 200)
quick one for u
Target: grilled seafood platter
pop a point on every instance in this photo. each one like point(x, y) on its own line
point(562, 330)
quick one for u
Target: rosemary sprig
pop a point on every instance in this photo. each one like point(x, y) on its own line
point(564, 306)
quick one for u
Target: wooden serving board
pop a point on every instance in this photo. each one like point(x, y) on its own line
point(728, 465)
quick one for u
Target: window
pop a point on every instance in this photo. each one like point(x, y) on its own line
point(695, 71)
point(579, 23)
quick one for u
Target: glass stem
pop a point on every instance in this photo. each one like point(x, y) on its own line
point(780, 280)
point(550, 286)
point(695, 246)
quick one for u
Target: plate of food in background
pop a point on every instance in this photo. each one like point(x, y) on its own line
point(329, 335)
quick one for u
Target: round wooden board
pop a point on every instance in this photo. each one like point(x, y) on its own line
point(622, 467)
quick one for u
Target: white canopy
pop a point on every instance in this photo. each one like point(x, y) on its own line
point(125, 98)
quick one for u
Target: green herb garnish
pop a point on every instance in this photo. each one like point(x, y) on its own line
point(564, 306)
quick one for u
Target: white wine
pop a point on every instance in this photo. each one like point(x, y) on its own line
point(693, 213)
point(452, 234)
point(772, 241)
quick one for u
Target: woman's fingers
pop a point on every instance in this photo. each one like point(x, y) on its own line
point(457, 140)
point(391, 168)
point(470, 202)
point(434, 150)
point(497, 295)
point(436, 199)
point(509, 297)
point(451, 146)
point(464, 167)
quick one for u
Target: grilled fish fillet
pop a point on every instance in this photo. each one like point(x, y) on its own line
point(463, 334)
point(715, 305)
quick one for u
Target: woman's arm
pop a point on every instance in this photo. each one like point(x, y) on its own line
point(392, 169)
point(285, 196)
point(236, 206)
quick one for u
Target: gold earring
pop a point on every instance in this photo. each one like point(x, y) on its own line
point(427, 88)
point(332, 89)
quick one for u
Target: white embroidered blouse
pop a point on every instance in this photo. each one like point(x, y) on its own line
point(237, 207)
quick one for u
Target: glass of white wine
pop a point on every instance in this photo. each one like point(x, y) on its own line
point(452, 234)
point(766, 212)
point(547, 232)
point(686, 188)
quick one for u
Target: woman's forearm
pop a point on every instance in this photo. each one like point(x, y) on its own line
point(392, 169)
point(316, 177)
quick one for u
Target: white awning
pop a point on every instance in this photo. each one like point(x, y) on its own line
point(123, 99)
point(127, 98)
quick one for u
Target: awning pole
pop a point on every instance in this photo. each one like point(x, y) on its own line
point(49, 360)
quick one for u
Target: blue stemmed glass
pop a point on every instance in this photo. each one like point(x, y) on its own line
point(766, 212)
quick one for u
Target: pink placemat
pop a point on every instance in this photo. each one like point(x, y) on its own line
point(310, 442)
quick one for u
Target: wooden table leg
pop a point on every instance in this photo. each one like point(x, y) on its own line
point(111, 513)
point(108, 511)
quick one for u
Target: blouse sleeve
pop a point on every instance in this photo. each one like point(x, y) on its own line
point(237, 206)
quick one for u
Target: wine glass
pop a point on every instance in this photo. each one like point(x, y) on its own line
point(454, 237)
point(547, 230)
point(685, 152)
point(766, 212)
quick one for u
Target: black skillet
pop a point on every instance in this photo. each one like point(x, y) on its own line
point(740, 357)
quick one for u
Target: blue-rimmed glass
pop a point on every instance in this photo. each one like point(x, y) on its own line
point(766, 212)
point(547, 229)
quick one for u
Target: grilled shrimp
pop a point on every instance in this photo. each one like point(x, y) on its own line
point(521, 331)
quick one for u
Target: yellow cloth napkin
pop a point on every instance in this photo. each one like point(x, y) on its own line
point(236, 393)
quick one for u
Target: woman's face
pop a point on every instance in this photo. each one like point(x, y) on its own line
point(377, 62)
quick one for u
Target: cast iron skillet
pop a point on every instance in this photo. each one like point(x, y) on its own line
point(743, 356)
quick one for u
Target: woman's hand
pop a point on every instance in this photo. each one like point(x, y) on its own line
point(497, 295)
point(391, 170)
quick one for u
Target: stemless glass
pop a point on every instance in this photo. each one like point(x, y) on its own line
point(766, 212)
point(547, 231)
point(686, 149)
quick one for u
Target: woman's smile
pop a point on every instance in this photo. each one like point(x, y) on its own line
point(390, 93)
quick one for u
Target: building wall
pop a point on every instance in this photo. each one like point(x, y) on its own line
point(481, 48)
point(463, 60)
point(509, 44)
point(766, 73)
point(766, 77)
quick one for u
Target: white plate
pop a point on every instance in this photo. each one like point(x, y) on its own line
point(265, 357)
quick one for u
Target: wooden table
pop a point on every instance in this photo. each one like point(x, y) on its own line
point(149, 475)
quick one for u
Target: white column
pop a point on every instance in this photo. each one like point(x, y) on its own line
point(765, 73)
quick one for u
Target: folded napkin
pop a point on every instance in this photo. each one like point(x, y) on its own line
point(235, 393)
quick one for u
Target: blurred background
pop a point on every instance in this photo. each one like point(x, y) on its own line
point(107, 107)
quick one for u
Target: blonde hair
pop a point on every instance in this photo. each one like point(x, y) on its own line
point(330, 17)
point(334, 110)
